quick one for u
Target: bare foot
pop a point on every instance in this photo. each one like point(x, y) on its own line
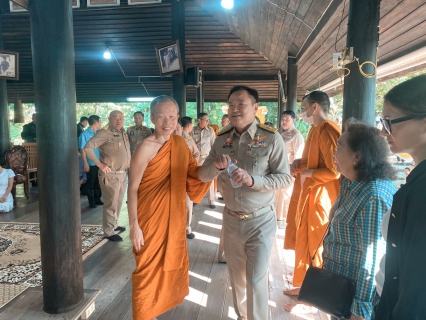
point(300, 308)
point(292, 292)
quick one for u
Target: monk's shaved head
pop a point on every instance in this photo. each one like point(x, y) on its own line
point(160, 99)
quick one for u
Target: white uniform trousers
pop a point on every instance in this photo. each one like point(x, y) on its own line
point(248, 245)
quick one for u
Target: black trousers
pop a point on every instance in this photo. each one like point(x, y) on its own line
point(92, 187)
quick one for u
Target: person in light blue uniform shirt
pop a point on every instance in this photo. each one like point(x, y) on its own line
point(92, 187)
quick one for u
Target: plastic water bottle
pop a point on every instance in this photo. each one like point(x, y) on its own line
point(232, 167)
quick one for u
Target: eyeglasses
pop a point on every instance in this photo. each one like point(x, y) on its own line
point(387, 124)
point(205, 120)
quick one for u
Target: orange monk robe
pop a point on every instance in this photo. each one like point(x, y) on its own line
point(161, 280)
point(314, 200)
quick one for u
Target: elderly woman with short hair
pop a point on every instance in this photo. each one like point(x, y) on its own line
point(354, 244)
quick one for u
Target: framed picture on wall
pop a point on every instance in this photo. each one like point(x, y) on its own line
point(14, 7)
point(9, 65)
point(169, 58)
point(131, 2)
point(102, 3)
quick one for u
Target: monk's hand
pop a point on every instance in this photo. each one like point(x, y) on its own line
point(222, 161)
point(304, 174)
point(294, 168)
point(104, 168)
point(354, 317)
point(242, 176)
point(136, 236)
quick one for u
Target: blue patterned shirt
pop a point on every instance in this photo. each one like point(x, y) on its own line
point(354, 244)
point(84, 137)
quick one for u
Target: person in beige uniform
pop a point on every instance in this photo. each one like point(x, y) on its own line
point(204, 137)
point(114, 149)
point(138, 132)
point(183, 128)
point(249, 221)
point(294, 144)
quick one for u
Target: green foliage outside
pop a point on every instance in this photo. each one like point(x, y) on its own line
point(215, 110)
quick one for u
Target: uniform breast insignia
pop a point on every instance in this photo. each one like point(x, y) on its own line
point(255, 162)
point(287, 136)
point(258, 142)
point(132, 133)
point(228, 142)
point(196, 132)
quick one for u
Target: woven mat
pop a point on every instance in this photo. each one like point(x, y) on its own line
point(20, 260)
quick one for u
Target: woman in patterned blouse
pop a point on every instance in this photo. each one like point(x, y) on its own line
point(354, 244)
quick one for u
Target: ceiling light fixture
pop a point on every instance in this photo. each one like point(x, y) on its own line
point(227, 4)
point(107, 53)
point(136, 99)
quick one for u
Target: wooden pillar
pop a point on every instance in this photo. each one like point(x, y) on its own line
point(4, 107)
point(18, 112)
point(358, 91)
point(178, 33)
point(52, 42)
point(292, 84)
point(200, 94)
point(281, 106)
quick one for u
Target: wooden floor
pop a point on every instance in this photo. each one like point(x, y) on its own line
point(109, 269)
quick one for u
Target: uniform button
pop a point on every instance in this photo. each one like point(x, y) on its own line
point(394, 245)
point(393, 215)
point(394, 278)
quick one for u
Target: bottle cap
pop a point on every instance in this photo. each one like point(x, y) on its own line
point(231, 163)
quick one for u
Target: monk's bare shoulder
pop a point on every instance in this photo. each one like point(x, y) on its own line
point(147, 149)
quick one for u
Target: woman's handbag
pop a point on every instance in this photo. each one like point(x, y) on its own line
point(327, 291)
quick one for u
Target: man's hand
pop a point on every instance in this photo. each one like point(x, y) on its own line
point(2, 199)
point(242, 176)
point(354, 317)
point(104, 168)
point(136, 236)
point(222, 161)
point(86, 168)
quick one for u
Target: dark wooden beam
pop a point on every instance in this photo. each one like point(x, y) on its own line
point(359, 91)
point(200, 93)
point(59, 197)
point(178, 33)
point(292, 85)
point(281, 107)
point(322, 26)
point(4, 108)
point(242, 78)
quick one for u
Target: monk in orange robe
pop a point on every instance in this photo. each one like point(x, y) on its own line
point(162, 172)
point(315, 190)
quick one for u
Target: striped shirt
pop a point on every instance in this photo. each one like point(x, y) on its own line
point(354, 244)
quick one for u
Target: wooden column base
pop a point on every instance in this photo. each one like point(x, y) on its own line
point(29, 306)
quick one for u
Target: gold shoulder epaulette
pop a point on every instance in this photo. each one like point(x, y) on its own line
point(267, 128)
point(225, 130)
point(106, 127)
